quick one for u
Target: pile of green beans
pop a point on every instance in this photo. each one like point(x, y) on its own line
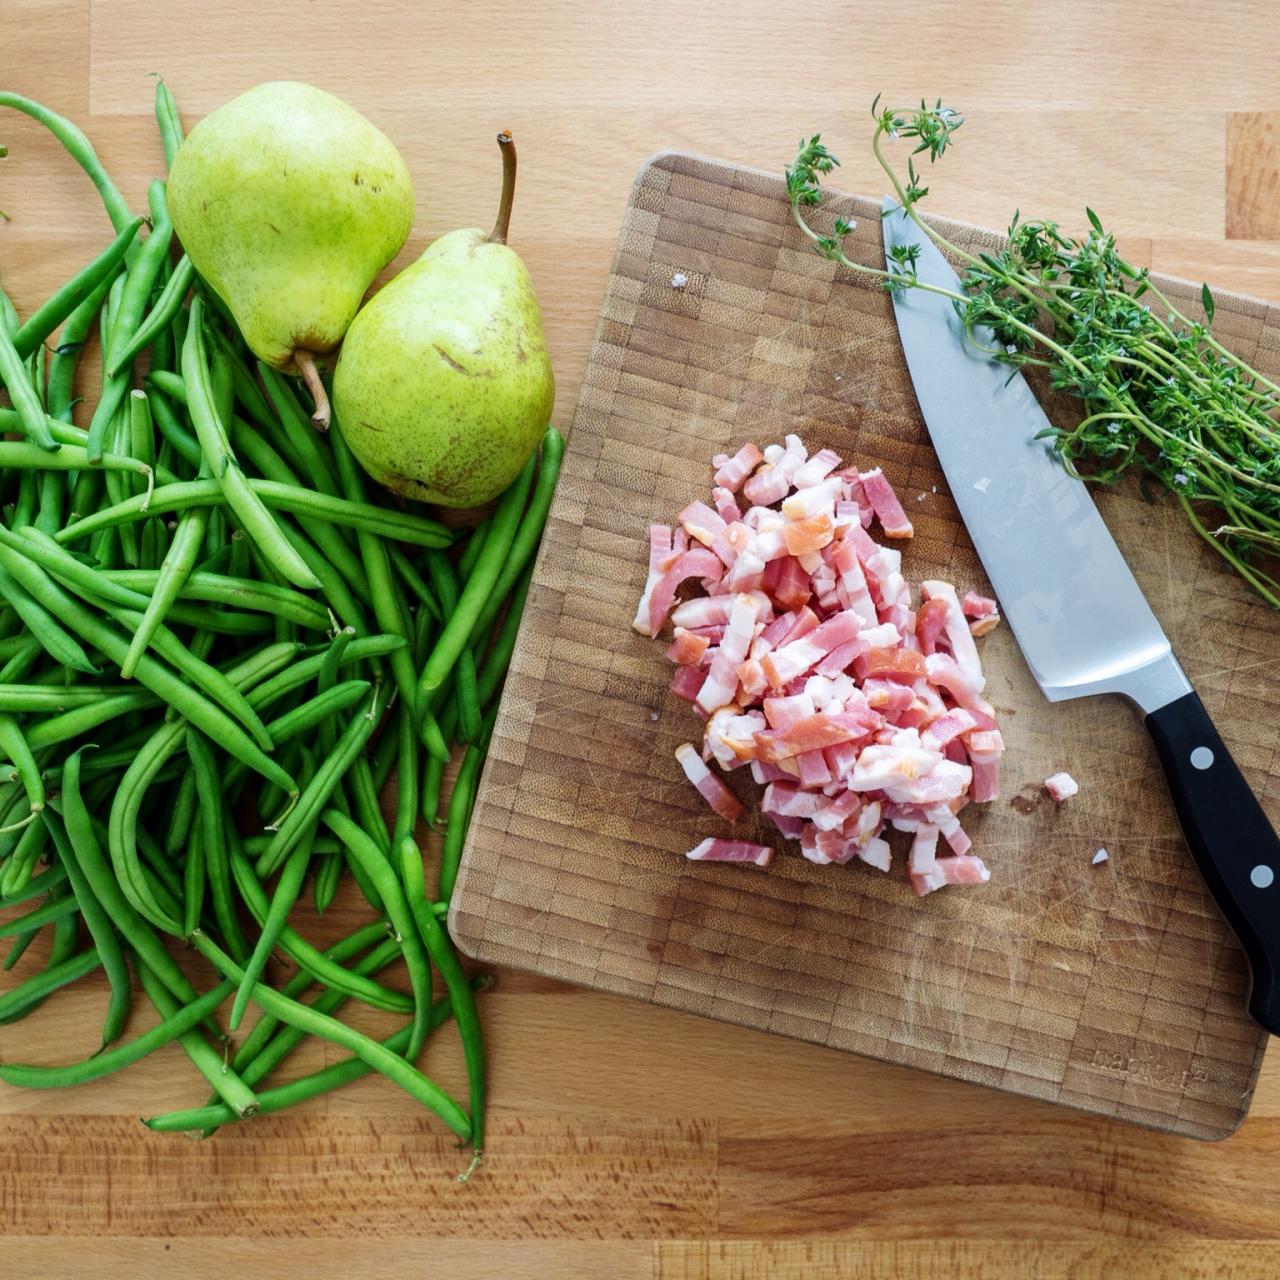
point(219, 643)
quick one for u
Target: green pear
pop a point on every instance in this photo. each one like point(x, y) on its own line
point(289, 202)
point(443, 387)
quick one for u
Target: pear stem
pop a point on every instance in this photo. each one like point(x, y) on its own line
point(500, 228)
point(311, 376)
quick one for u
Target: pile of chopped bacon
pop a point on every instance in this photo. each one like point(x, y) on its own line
point(810, 664)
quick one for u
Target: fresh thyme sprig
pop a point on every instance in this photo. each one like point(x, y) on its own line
point(1161, 394)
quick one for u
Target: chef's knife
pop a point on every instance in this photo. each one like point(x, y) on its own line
point(1079, 617)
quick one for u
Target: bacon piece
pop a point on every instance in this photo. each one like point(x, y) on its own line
point(659, 557)
point(708, 786)
point(786, 711)
point(811, 734)
point(942, 671)
point(837, 811)
point(767, 486)
point(817, 500)
point(876, 853)
point(893, 519)
point(1061, 786)
point(731, 472)
point(985, 749)
point(691, 564)
point(841, 758)
point(794, 658)
point(956, 625)
point(889, 697)
point(931, 622)
point(792, 586)
point(817, 468)
point(686, 649)
point(729, 737)
point(812, 534)
point(751, 678)
point(924, 849)
point(722, 681)
point(726, 505)
point(713, 850)
point(764, 773)
point(814, 772)
point(790, 801)
point(976, 606)
point(948, 727)
point(701, 523)
point(903, 665)
point(687, 681)
point(958, 870)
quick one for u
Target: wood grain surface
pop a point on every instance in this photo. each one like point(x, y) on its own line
point(630, 1140)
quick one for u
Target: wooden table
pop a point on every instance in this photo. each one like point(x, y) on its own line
point(627, 1141)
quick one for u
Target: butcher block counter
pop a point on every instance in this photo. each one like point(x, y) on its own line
point(627, 1140)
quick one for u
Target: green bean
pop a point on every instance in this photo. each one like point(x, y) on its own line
point(182, 441)
point(69, 457)
point(28, 848)
point(22, 698)
point(22, 663)
point(103, 933)
point(307, 669)
point(188, 702)
point(458, 628)
point(88, 853)
point(52, 910)
point(432, 778)
point(325, 883)
point(282, 902)
point(529, 534)
point(185, 1019)
point(408, 776)
point(471, 552)
point(19, 949)
point(213, 828)
point(317, 792)
point(299, 432)
point(80, 150)
point(44, 627)
point(80, 720)
point(193, 885)
point(258, 522)
point(468, 700)
point(303, 953)
point(159, 319)
point(63, 302)
point(461, 803)
point(178, 564)
point(445, 958)
point(387, 881)
point(499, 656)
point(207, 1060)
point(169, 122)
point(41, 884)
point(23, 395)
point(394, 1067)
point(15, 747)
point(182, 815)
point(182, 494)
point(139, 281)
point(20, 1000)
point(334, 1076)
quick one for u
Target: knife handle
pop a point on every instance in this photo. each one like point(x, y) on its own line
point(1233, 844)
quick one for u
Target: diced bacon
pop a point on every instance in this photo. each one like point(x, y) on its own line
point(984, 626)
point(729, 737)
point(790, 801)
point(731, 472)
point(875, 853)
point(954, 834)
point(985, 748)
point(767, 486)
point(889, 697)
point(708, 786)
point(792, 828)
point(811, 534)
point(841, 758)
point(686, 649)
point(958, 870)
point(713, 850)
point(924, 849)
point(949, 726)
point(1061, 786)
point(747, 572)
point(883, 636)
point(659, 553)
point(976, 606)
point(903, 665)
point(812, 734)
point(931, 622)
point(783, 712)
point(722, 681)
point(792, 588)
point(701, 523)
point(817, 500)
point(817, 468)
point(702, 611)
point(837, 811)
point(959, 637)
point(751, 678)
point(842, 657)
point(803, 621)
point(893, 519)
point(852, 582)
point(814, 772)
point(712, 635)
point(726, 505)
point(691, 564)
point(797, 656)
point(942, 671)
point(687, 681)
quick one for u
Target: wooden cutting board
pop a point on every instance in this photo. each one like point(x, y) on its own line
point(1114, 988)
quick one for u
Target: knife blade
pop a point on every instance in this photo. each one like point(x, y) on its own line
point(1079, 617)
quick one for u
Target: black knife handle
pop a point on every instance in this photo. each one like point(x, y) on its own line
point(1233, 844)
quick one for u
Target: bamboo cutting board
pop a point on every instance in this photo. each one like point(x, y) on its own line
point(1114, 988)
